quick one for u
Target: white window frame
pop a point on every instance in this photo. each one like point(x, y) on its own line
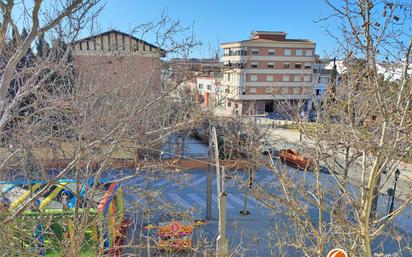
point(255, 50)
point(309, 52)
point(288, 52)
point(297, 78)
point(271, 64)
point(253, 78)
point(252, 90)
point(286, 63)
point(298, 64)
point(285, 91)
point(308, 65)
point(254, 64)
point(200, 87)
point(299, 52)
point(306, 78)
point(269, 90)
point(285, 78)
point(269, 78)
point(209, 87)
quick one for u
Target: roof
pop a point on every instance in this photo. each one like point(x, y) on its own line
point(269, 41)
point(270, 32)
point(120, 33)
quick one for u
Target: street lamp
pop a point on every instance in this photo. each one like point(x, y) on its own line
point(397, 173)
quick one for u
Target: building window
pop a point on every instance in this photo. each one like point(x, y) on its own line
point(296, 91)
point(297, 78)
point(269, 77)
point(299, 52)
point(271, 52)
point(200, 86)
point(236, 105)
point(268, 90)
point(286, 65)
point(271, 65)
point(229, 104)
point(255, 51)
point(317, 92)
point(285, 90)
point(253, 77)
point(298, 66)
point(254, 65)
point(288, 52)
point(309, 52)
point(285, 77)
point(308, 65)
point(209, 87)
point(324, 80)
point(306, 78)
point(252, 90)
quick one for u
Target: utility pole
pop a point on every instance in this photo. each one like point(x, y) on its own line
point(221, 240)
point(209, 178)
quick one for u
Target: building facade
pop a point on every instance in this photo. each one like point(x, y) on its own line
point(209, 90)
point(117, 63)
point(267, 72)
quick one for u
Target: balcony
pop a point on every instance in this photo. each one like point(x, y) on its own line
point(234, 65)
point(236, 53)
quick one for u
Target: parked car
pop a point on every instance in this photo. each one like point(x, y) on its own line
point(292, 157)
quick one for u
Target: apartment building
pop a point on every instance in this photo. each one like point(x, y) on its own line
point(117, 63)
point(267, 73)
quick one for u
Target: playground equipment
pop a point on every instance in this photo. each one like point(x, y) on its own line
point(51, 218)
point(175, 235)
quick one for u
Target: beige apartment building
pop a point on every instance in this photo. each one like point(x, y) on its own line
point(267, 73)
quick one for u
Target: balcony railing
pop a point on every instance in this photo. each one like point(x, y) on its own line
point(231, 65)
point(236, 53)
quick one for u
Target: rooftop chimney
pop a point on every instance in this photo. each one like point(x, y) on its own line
point(269, 35)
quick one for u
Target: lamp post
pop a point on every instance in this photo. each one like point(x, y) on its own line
point(397, 173)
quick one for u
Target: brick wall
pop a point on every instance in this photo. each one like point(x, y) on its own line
point(118, 74)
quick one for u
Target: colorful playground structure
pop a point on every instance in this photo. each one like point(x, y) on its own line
point(49, 219)
point(174, 235)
